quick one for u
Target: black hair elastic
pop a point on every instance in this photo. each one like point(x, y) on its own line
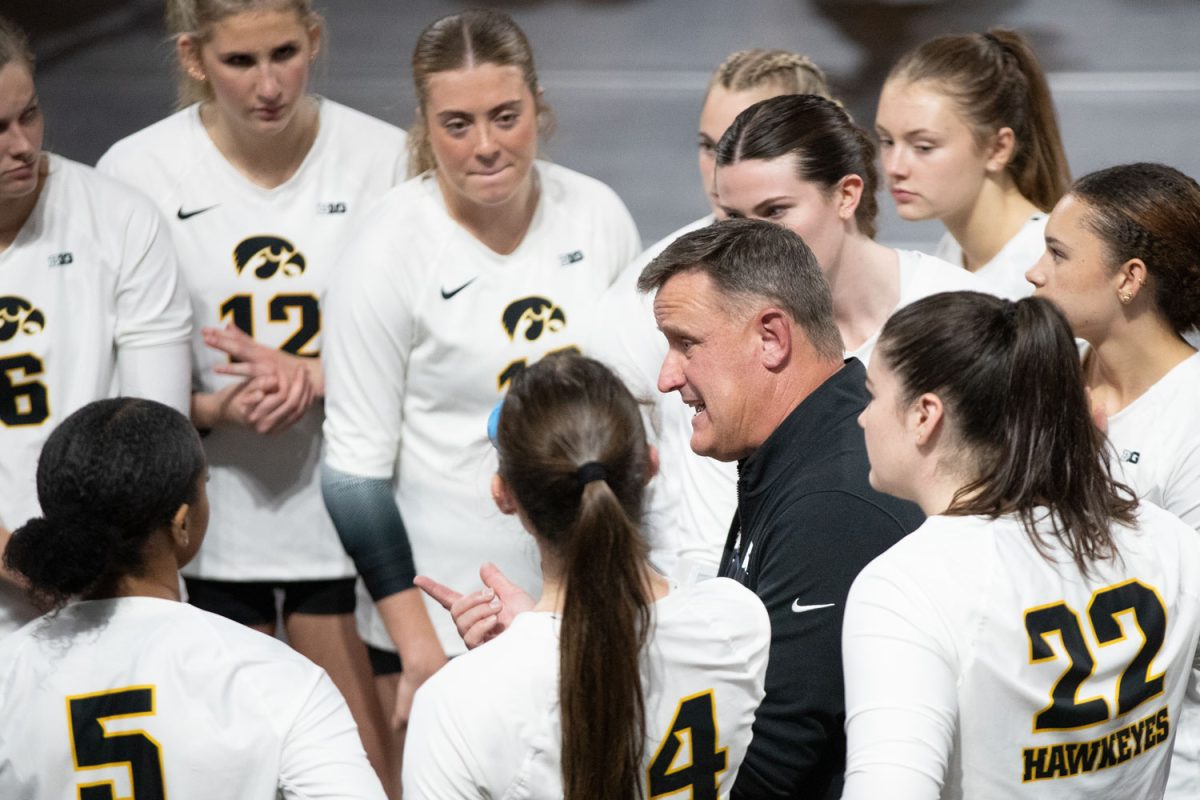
point(591, 471)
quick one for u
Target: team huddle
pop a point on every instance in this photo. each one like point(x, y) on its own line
point(769, 509)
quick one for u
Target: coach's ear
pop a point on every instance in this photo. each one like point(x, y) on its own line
point(774, 328)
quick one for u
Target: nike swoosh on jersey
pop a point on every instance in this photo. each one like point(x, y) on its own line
point(447, 295)
point(799, 609)
point(189, 214)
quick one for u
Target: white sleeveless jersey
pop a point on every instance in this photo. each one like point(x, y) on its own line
point(427, 327)
point(975, 668)
point(262, 259)
point(488, 723)
point(1005, 273)
point(88, 287)
point(145, 698)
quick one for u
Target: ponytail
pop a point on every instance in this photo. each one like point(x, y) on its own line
point(1010, 379)
point(996, 81)
point(573, 451)
point(112, 475)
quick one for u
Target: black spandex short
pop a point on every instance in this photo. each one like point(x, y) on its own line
point(384, 662)
point(253, 602)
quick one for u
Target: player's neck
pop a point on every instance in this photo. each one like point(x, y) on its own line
point(998, 214)
point(15, 211)
point(865, 284)
point(159, 577)
point(500, 228)
point(267, 161)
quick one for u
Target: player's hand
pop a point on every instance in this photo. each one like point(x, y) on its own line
point(299, 381)
point(483, 615)
point(231, 405)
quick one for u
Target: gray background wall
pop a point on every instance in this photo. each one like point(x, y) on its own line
point(626, 76)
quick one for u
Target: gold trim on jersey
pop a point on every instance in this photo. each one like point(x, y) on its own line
point(149, 794)
point(673, 743)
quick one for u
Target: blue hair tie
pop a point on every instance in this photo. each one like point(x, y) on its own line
point(493, 424)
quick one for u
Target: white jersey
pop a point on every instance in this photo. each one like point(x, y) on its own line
point(488, 723)
point(626, 338)
point(920, 276)
point(262, 259)
point(975, 668)
point(1005, 273)
point(428, 326)
point(159, 699)
point(91, 306)
point(1156, 441)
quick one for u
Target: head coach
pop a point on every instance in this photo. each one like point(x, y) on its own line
point(755, 352)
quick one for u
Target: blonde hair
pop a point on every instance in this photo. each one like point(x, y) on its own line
point(14, 45)
point(195, 18)
point(474, 36)
point(750, 69)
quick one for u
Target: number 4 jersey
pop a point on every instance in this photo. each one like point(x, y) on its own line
point(261, 259)
point(977, 668)
point(488, 725)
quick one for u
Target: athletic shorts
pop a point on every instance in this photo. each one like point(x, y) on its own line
point(254, 603)
point(384, 662)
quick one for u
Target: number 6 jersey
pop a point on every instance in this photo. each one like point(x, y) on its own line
point(261, 259)
point(977, 668)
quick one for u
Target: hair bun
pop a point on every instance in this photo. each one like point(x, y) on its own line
point(62, 558)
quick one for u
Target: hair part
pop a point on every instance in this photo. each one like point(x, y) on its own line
point(996, 82)
point(560, 414)
point(460, 41)
point(14, 45)
point(819, 134)
point(1150, 212)
point(1009, 376)
point(750, 261)
point(790, 72)
point(195, 19)
point(112, 475)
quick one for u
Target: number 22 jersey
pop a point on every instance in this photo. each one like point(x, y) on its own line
point(262, 259)
point(977, 668)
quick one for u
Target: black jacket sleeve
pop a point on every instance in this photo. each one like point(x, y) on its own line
point(803, 571)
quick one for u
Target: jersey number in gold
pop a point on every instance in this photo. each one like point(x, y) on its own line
point(1135, 686)
point(239, 310)
point(22, 402)
point(93, 747)
point(696, 722)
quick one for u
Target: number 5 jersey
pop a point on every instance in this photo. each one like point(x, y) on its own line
point(261, 259)
point(976, 667)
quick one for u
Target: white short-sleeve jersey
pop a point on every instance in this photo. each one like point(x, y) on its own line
point(262, 260)
point(89, 290)
point(427, 327)
point(488, 723)
point(920, 276)
point(1156, 441)
point(976, 668)
point(143, 697)
point(1005, 274)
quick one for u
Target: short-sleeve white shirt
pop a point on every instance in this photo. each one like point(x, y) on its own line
point(488, 724)
point(228, 711)
point(977, 668)
point(263, 259)
point(427, 326)
point(1005, 273)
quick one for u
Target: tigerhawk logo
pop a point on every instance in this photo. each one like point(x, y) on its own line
point(17, 315)
point(267, 255)
point(531, 317)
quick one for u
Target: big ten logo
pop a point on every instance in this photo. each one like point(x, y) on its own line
point(268, 255)
point(530, 318)
point(17, 315)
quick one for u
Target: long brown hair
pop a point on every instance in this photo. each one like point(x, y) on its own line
point(1009, 376)
point(996, 82)
point(472, 37)
point(564, 413)
point(195, 18)
point(1151, 212)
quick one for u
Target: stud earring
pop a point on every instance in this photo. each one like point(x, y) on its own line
point(1125, 297)
point(196, 74)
